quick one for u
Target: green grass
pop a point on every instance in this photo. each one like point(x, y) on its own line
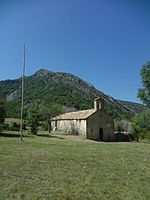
point(70, 167)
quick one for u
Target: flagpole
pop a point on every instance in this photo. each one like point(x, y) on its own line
point(22, 95)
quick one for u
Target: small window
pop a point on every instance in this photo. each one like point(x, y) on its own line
point(91, 130)
point(100, 115)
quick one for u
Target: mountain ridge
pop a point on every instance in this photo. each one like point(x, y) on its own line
point(66, 89)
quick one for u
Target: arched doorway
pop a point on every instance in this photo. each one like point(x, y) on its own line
point(101, 134)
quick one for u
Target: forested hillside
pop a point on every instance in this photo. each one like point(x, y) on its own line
point(69, 91)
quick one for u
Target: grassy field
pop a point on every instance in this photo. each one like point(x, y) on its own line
point(69, 167)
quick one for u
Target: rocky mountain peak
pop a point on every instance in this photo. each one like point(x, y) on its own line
point(42, 73)
point(68, 90)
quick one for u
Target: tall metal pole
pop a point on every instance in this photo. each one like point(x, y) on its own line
point(22, 95)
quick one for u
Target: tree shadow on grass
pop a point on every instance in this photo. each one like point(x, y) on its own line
point(17, 135)
point(49, 136)
point(12, 135)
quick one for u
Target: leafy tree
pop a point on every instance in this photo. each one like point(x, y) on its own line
point(33, 118)
point(144, 93)
point(2, 111)
point(119, 126)
point(141, 124)
point(49, 111)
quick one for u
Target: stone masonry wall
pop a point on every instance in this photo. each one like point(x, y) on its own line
point(77, 127)
point(100, 120)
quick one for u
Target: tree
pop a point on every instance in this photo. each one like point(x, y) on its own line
point(141, 124)
point(143, 119)
point(49, 111)
point(119, 127)
point(33, 118)
point(2, 111)
point(144, 93)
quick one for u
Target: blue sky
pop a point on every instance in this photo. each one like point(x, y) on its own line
point(104, 42)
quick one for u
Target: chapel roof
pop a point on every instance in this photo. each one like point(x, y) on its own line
point(83, 114)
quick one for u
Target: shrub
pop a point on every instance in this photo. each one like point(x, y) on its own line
point(119, 126)
point(141, 124)
point(33, 118)
point(44, 126)
point(3, 127)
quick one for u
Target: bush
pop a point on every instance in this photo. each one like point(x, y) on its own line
point(3, 127)
point(141, 124)
point(12, 126)
point(44, 126)
point(15, 126)
point(33, 118)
